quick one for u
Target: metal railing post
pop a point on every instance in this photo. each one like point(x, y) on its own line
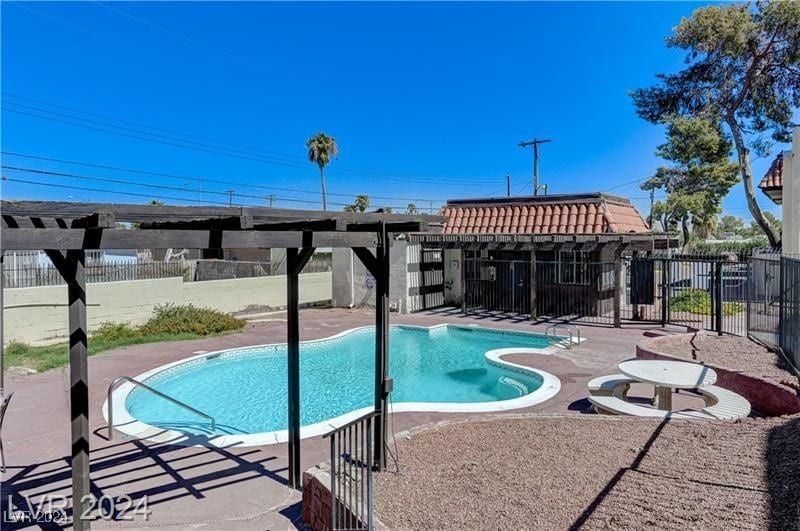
point(664, 281)
point(718, 297)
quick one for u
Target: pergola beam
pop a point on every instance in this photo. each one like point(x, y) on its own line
point(25, 239)
point(172, 213)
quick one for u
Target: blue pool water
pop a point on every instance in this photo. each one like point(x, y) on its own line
point(246, 391)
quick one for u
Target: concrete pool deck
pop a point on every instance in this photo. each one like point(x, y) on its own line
point(241, 487)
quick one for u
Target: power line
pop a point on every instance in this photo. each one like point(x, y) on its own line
point(189, 144)
point(73, 26)
point(202, 180)
point(228, 193)
point(625, 184)
point(179, 35)
point(273, 158)
point(146, 185)
point(139, 124)
point(134, 194)
point(131, 194)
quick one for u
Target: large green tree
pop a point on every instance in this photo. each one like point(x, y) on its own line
point(321, 148)
point(730, 224)
point(699, 176)
point(743, 68)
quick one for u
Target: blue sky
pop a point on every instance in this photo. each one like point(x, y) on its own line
point(427, 101)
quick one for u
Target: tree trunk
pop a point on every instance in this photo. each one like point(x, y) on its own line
point(686, 234)
point(747, 178)
point(324, 192)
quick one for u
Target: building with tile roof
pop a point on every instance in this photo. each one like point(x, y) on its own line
point(594, 213)
point(781, 183)
point(545, 256)
point(772, 182)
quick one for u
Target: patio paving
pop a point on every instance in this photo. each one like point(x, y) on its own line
point(240, 487)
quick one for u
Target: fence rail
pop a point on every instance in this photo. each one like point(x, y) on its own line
point(351, 474)
point(789, 319)
point(45, 274)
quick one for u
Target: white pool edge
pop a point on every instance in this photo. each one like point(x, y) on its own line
point(125, 423)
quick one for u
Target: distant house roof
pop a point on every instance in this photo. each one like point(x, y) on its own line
point(594, 213)
point(772, 183)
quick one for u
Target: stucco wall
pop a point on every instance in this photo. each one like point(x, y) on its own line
point(791, 197)
point(36, 315)
point(452, 277)
point(361, 291)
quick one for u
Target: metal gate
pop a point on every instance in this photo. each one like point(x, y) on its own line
point(431, 285)
point(706, 294)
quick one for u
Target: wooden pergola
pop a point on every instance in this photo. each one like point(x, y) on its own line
point(65, 231)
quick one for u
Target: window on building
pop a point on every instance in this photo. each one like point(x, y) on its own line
point(573, 267)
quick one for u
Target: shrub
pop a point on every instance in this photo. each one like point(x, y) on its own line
point(114, 332)
point(699, 301)
point(16, 348)
point(172, 319)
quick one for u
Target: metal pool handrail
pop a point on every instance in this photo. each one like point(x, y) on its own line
point(114, 384)
point(568, 327)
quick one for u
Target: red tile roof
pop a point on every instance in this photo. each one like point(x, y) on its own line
point(555, 214)
point(774, 176)
point(772, 183)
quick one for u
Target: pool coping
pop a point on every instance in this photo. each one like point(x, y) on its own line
point(125, 423)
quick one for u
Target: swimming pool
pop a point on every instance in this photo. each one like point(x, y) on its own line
point(442, 368)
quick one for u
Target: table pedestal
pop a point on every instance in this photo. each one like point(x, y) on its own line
point(664, 398)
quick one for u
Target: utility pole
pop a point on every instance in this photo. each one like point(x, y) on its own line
point(535, 143)
point(271, 198)
point(508, 184)
point(230, 196)
point(652, 201)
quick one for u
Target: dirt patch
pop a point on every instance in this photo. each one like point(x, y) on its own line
point(734, 353)
point(559, 472)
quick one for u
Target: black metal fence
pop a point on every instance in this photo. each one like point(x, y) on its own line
point(789, 318)
point(704, 292)
point(351, 474)
point(764, 299)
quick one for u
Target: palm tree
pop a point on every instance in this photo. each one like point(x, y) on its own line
point(321, 148)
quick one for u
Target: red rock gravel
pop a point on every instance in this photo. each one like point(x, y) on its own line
point(732, 352)
point(596, 472)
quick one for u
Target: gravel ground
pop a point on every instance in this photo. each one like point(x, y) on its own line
point(596, 473)
point(732, 352)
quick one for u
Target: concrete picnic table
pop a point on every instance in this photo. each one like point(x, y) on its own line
point(668, 375)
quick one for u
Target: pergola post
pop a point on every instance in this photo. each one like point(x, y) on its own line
point(382, 382)
point(534, 311)
point(72, 268)
point(619, 287)
point(295, 261)
point(378, 265)
point(463, 274)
